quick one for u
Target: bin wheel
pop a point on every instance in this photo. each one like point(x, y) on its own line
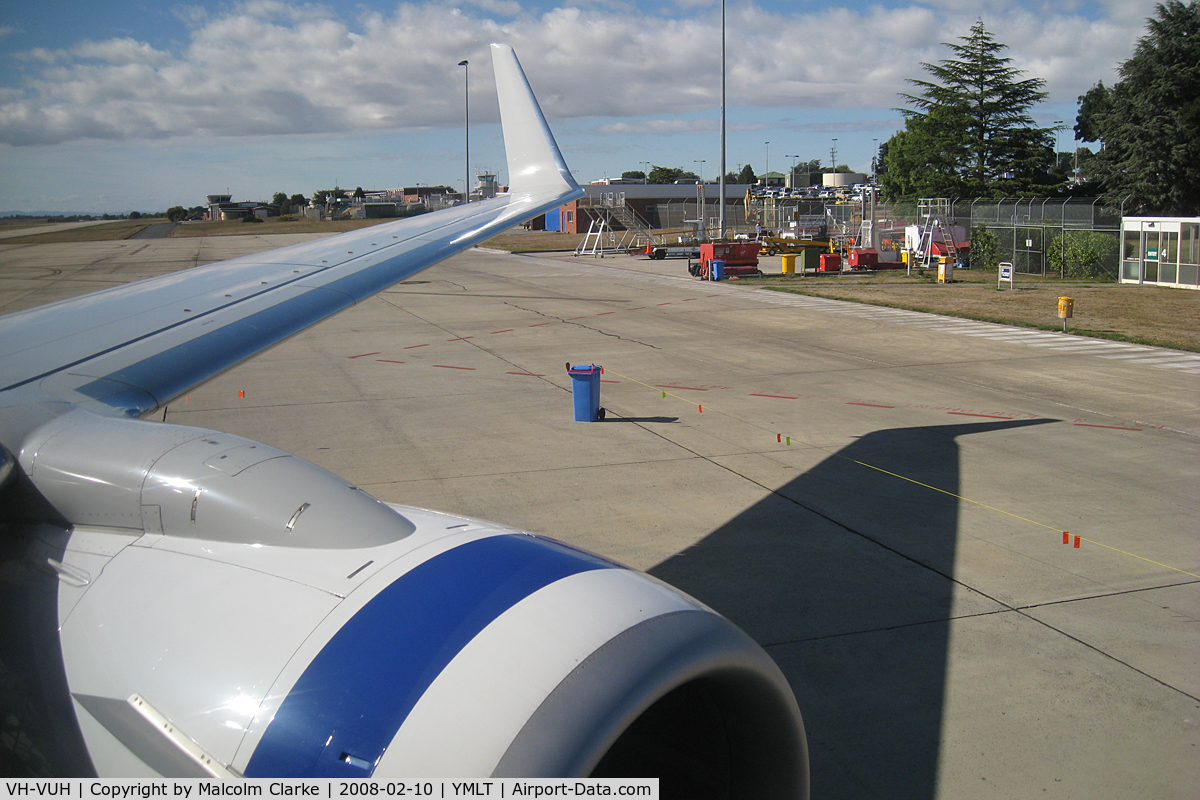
point(600, 414)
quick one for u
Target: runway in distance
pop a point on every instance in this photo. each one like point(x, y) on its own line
point(182, 602)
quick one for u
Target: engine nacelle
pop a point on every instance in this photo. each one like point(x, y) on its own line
point(250, 635)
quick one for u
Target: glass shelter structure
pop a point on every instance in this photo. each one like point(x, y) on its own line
point(1161, 251)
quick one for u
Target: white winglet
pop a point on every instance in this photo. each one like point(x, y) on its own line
point(534, 163)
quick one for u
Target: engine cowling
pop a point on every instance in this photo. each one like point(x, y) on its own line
point(389, 642)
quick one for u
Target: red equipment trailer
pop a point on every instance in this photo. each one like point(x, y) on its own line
point(741, 258)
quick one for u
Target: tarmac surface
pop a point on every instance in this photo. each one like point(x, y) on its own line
point(972, 552)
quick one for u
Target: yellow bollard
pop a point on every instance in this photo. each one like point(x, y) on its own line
point(789, 263)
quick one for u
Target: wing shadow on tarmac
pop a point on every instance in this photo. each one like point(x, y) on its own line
point(845, 575)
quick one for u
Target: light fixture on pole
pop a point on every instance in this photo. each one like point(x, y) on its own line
point(1058, 126)
point(701, 162)
point(467, 127)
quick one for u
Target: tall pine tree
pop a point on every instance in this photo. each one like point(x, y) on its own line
point(1149, 121)
point(969, 132)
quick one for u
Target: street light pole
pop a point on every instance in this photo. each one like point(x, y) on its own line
point(467, 127)
point(701, 162)
point(721, 192)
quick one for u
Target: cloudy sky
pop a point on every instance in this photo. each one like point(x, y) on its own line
point(131, 105)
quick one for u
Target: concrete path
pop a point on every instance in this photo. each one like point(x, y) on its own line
point(974, 555)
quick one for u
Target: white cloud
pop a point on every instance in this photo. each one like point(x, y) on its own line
point(272, 67)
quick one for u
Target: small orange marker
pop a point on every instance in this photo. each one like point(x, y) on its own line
point(779, 438)
point(1066, 537)
point(241, 392)
point(701, 408)
point(1076, 542)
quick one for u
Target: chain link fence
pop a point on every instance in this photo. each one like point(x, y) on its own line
point(1068, 237)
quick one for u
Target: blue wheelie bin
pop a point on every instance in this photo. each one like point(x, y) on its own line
point(718, 270)
point(585, 390)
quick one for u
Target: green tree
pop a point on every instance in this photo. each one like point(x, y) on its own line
point(970, 126)
point(746, 175)
point(1149, 121)
point(985, 249)
point(670, 175)
point(321, 197)
point(278, 199)
point(1082, 254)
point(634, 175)
point(359, 194)
point(176, 213)
point(297, 201)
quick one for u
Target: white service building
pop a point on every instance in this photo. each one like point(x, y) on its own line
point(1161, 251)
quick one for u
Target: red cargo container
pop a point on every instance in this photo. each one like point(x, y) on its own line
point(864, 257)
point(741, 258)
point(830, 262)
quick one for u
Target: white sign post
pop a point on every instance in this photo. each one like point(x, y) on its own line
point(1006, 274)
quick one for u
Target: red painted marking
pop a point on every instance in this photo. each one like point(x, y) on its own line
point(602, 380)
point(779, 438)
point(506, 330)
point(605, 313)
point(460, 339)
point(364, 355)
point(639, 308)
point(1110, 427)
point(689, 388)
point(985, 416)
point(873, 405)
point(389, 361)
point(414, 346)
point(1066, 537)
point(776, 396)
point(528, 374)
point(447, 366)
point(541, 324)
point(690, 299)
point(571, 319)
point(665, 304)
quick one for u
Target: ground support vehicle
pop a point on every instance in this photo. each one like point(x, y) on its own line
point(740, 258)
point(660, 251)
point(777, 245)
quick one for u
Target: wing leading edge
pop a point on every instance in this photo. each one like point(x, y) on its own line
point(132, 348)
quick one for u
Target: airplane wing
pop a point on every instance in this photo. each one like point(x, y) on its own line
point(135, 347)
point(177, 601)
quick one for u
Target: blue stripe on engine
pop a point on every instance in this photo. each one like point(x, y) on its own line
point(359, 689)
